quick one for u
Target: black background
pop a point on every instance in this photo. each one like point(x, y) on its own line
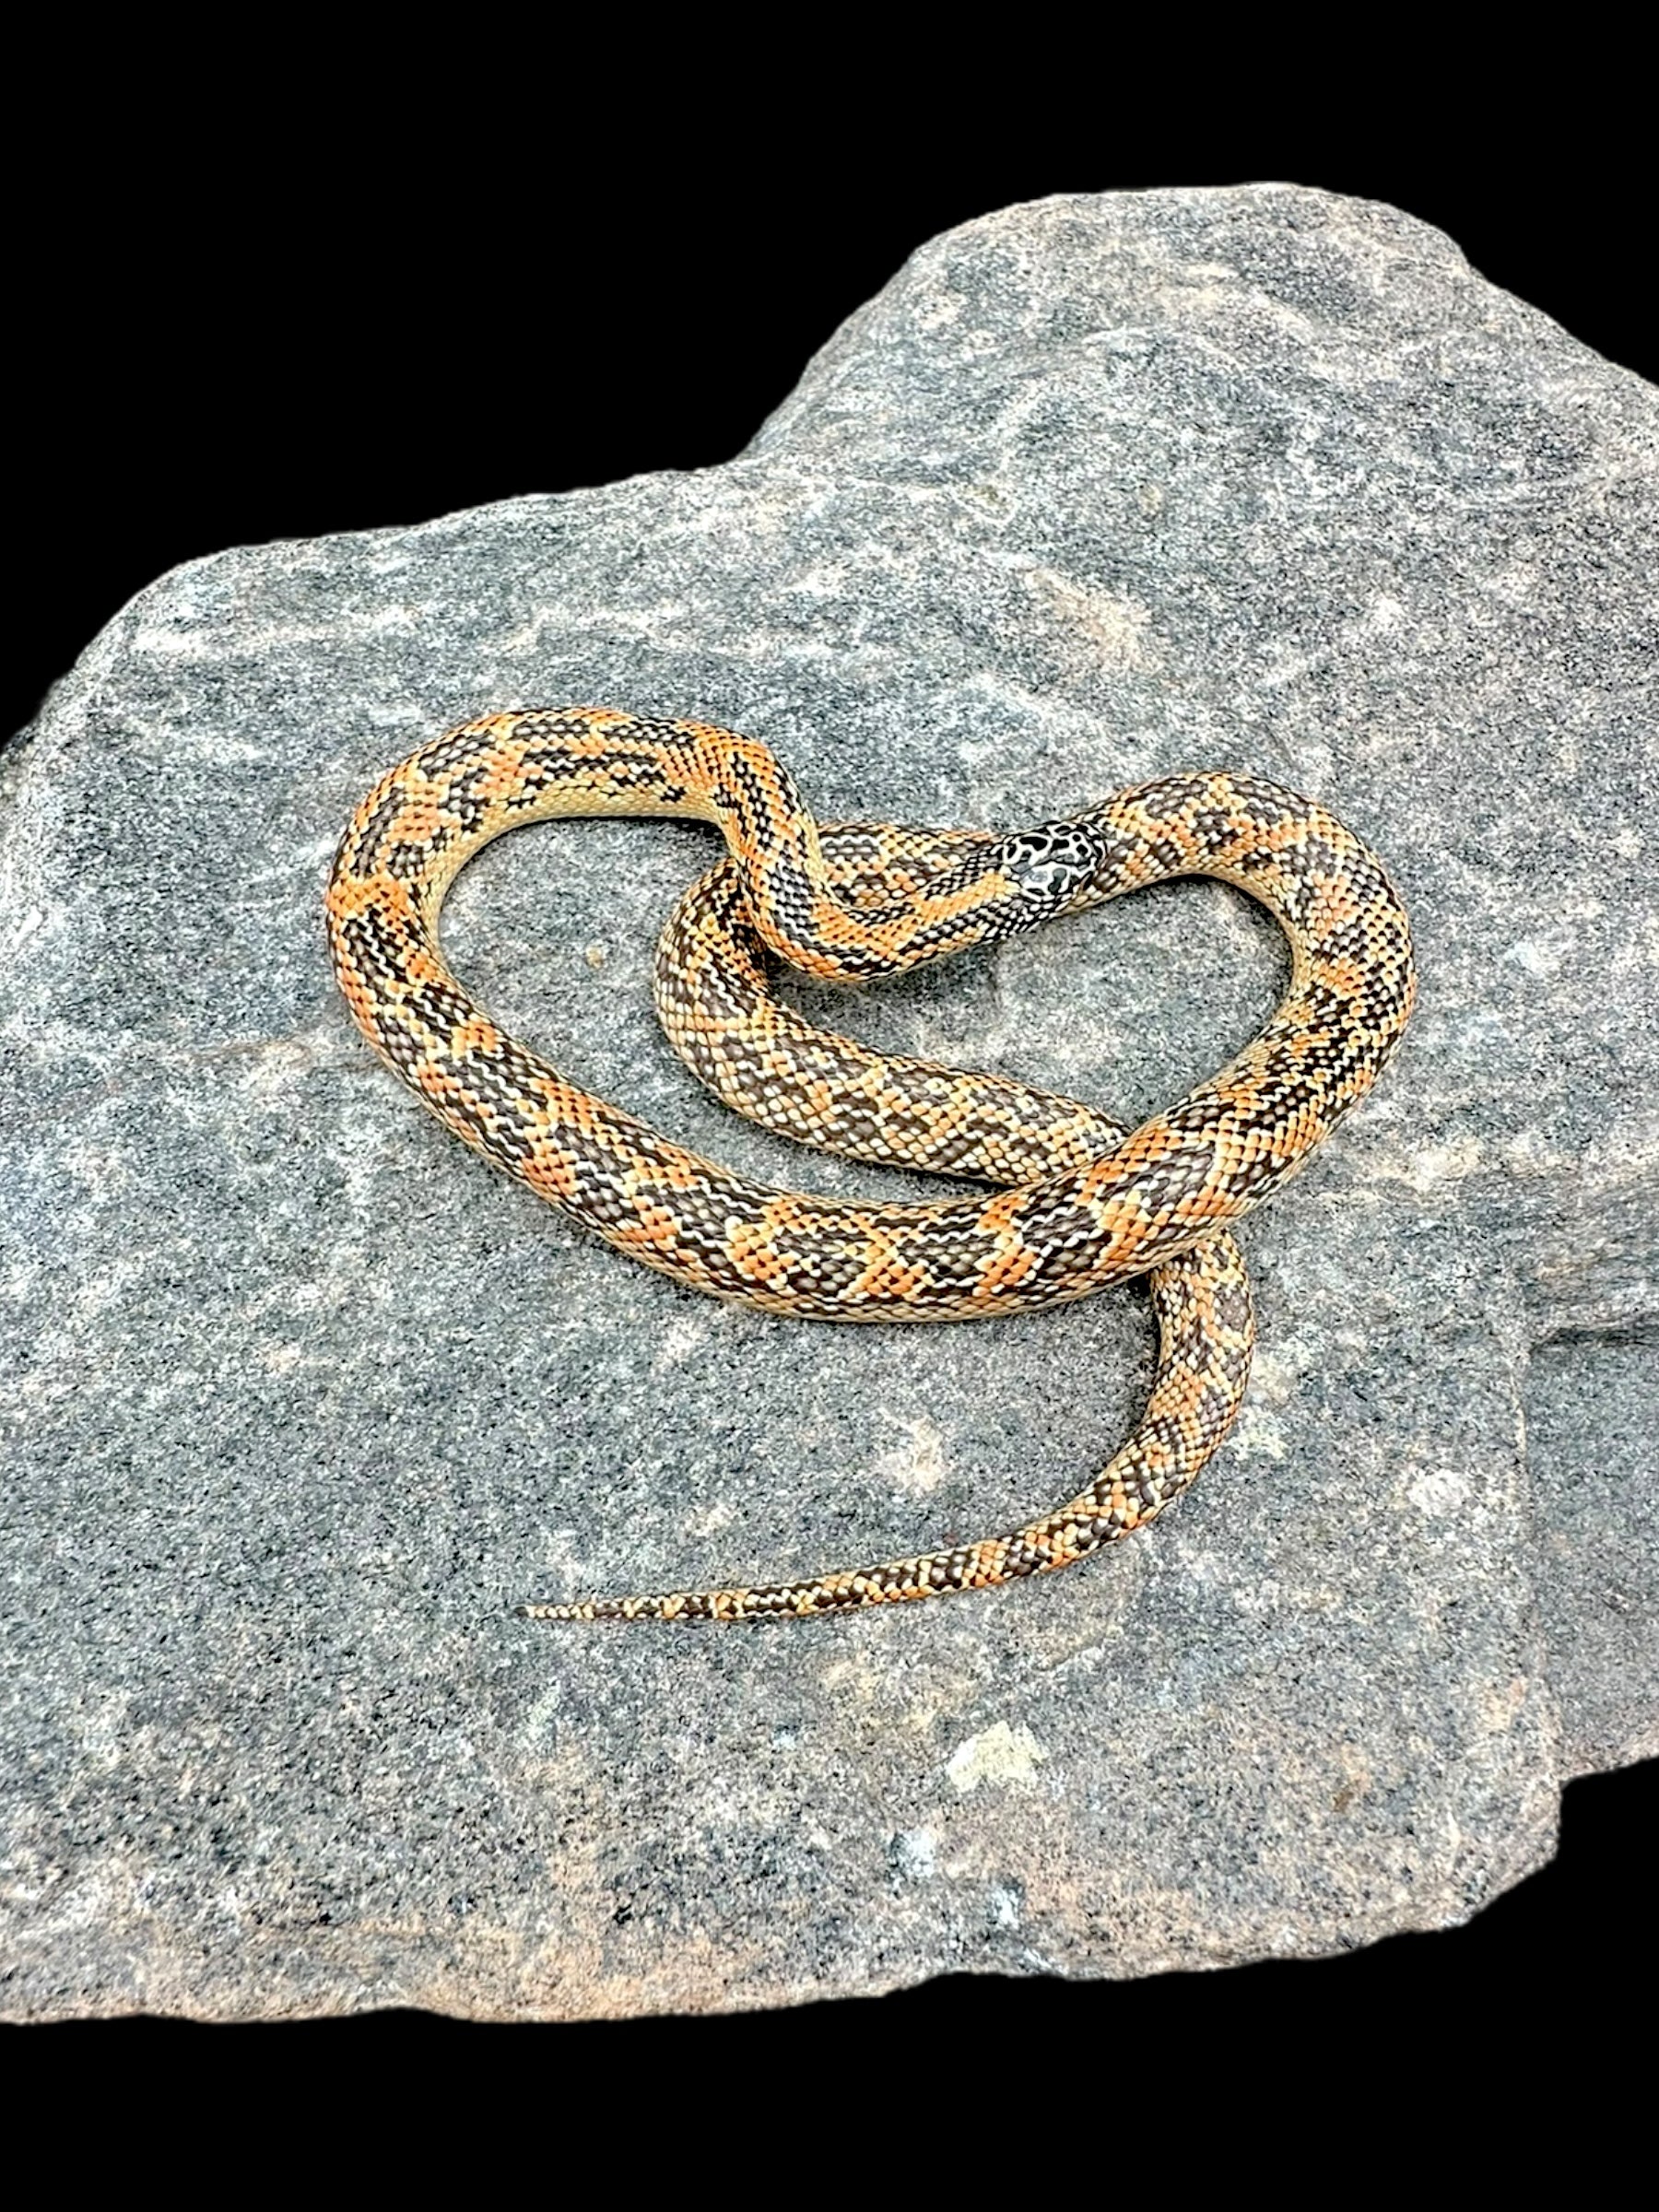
point(379, 302)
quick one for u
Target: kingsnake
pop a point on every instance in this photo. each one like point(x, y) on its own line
point(1084, 1203)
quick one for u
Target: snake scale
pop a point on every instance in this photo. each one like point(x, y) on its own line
point(1083, 1201)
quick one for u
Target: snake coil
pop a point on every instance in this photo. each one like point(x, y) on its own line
point(1084, 1201)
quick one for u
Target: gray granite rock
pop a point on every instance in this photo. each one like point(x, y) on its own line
point(302, 1397)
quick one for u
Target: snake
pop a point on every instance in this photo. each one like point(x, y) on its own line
point(1077, 1201)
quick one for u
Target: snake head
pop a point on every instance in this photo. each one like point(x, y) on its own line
point(1050, 867)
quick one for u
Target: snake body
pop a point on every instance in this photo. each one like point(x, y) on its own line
point(1086, 1202)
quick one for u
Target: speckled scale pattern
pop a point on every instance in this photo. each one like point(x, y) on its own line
point(1085, 1202)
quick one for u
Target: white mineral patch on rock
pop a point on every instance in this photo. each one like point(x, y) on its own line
point(1000, 1757)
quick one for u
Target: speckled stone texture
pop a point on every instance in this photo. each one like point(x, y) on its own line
point(301, 1397)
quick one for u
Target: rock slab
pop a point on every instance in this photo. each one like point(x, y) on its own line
point(301, 1397)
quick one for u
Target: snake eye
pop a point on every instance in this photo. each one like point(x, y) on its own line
point(1052, 863)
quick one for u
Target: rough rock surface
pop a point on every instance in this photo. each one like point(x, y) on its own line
point(301, 1397)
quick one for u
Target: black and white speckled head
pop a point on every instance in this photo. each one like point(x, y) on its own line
point(1051, 864)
